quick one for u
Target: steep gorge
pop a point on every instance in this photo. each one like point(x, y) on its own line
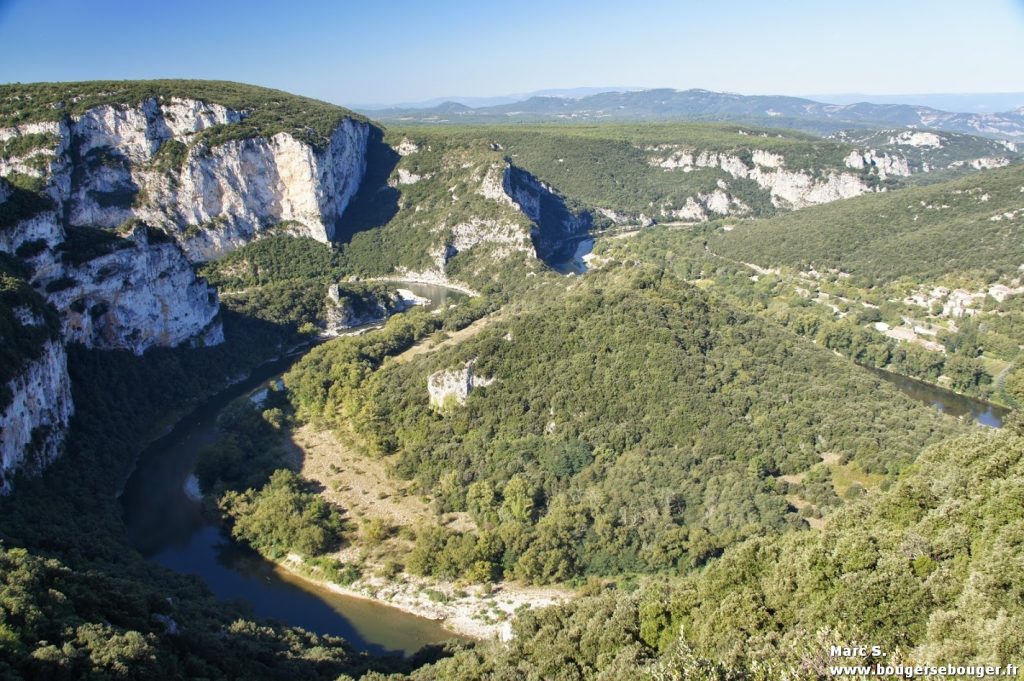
point(105, 211)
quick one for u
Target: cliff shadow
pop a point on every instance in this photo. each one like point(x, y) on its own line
point(375, 203)
point(559, 226)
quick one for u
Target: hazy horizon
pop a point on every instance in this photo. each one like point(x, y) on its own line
point(358, 55)
point(983, 101)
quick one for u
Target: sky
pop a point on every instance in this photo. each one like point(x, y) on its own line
point(391, 51)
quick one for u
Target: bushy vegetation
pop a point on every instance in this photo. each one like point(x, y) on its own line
point(969, 226)
point(273, 260)
point(284, 280)
point(82, 244)
point(25, 200)
point(21, 145)
point(628, 382)
point(929, 570)
point(283, 516)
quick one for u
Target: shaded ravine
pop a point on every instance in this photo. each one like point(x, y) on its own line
point(167, 527)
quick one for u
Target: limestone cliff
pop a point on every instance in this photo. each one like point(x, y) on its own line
point(141, 294)
point(115, 163)
point(123, 197)
point(35, 390)
point(555, 223)
point(789, 188)
point(454, 385)
point(33, 424)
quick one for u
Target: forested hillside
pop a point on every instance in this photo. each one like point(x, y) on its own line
point(677, 438)
point(929, 570)
point(970, 226)
point(633, 425)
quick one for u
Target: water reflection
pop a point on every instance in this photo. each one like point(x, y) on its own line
point(946, 401)
point(577, 264)
point(168, 527)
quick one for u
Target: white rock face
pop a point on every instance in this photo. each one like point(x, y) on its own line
point(915, 138)
point(454, 384)
point(43, 128)
point(493, 185)
point(887, 164)
point(221, 198)
point(989, 162)
point(407, 147)
point(233, 192)
point(33, 425)
point(789, 188)
point(134, 298)
point(184, 117)
point(43, 227)
point(407, 177)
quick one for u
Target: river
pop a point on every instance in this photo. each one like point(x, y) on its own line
point(946, 401)
point(167, 526)
point(577, 264)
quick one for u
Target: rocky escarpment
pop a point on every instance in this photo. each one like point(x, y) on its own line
point(904, 152)
point(33, 423)
point(35, 390)
point(141, 293)
point(554, 223)
point(886, 165)
point(115, 163)
point(454, 385)
point(789, 188)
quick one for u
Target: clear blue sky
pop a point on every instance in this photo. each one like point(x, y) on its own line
point(402, 50)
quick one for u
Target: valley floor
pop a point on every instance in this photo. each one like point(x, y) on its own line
point(482, 612)
point(363, 487)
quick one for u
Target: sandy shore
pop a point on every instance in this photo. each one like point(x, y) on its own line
point(475, 611)
point(425, 278)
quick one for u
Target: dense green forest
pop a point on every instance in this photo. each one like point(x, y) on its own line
point(628, 381)
point(930, 570)
point(838, 314)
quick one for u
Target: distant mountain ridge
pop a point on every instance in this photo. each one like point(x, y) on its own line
point(696, 104)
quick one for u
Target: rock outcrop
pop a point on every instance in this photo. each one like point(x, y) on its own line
point(343, 315)
point(885, 164)
point(454, 385)
point(172, 199)
point(116, 163)
point(554, 223)
point(33, 424)
point(143, 293)
point(788, 188)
